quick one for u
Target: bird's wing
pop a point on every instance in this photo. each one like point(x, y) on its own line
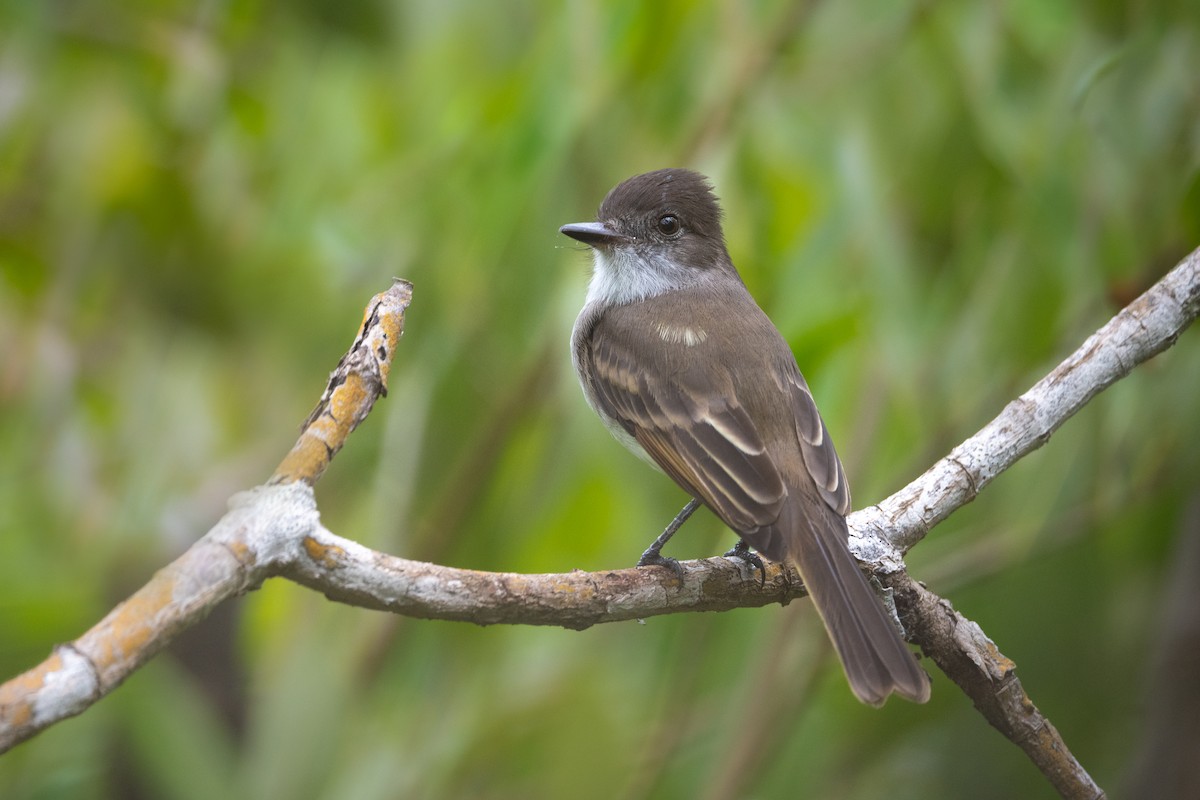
point(820, 457)
point(703, 439)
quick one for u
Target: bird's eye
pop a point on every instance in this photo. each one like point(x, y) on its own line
point(668, 225)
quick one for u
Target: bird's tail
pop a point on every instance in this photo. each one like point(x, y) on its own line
point(875, 658)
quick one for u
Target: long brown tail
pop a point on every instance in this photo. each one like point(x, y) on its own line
point(875, 658)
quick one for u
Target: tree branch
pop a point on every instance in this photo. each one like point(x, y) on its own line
point(1142, 330)
point(968, 657)
point(261, 532)
point(245, 546)
point(350, 573)
point(275, 530)
point(358, 380)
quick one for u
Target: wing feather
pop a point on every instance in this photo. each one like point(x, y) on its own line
point(709, 446)
point(820, 457)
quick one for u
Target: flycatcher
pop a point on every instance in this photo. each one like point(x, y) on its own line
point(687, 371)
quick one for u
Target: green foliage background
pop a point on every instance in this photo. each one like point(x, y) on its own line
point(936, 202)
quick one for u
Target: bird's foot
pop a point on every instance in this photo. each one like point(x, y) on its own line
point(653, 558)
point(742, 550)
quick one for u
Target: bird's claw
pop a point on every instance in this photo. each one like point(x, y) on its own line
point(742, 550)
point(653, 558)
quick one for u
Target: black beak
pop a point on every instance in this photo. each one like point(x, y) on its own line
point(593, 234)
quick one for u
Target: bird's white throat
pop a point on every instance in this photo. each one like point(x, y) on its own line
point(623, 275)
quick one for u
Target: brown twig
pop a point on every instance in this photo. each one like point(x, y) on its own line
point(1143, 329)
point(246, 546)
point(358, 380)
point(236, 555)
point(968, 657)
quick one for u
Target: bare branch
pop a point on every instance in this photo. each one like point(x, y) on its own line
point(1142, 330)
point(358, 380)
point(350, 573)
point(243, 548)
point(275, 530)
point(260, 533)
point(961, 649)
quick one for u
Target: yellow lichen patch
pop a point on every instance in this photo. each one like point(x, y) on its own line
point(1005, 663)
point(327, 556)
point(132, 624)
point(573, 588)
point(241, 551)
point(15, 708)
point(306, 460)
point(351, 403)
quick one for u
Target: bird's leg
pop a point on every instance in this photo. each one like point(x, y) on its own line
point(653, 555)
point(742, 550)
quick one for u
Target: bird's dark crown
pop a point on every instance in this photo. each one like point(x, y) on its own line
point(635, 206)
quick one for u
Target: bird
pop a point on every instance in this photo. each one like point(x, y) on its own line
point(685, 370)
